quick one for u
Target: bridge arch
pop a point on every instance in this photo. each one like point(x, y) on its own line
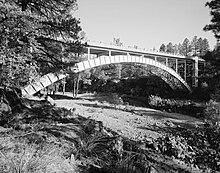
point(105, 60)
point(50, 78)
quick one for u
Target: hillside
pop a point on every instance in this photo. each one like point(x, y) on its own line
point(95, 133)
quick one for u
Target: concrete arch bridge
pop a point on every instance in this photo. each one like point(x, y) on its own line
point(177, 71)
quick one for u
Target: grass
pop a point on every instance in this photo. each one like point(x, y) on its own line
point(21, 157)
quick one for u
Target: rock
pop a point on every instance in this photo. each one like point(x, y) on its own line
point(152, 170)
point(4, 108)
point(151, 145)
point(169, 123)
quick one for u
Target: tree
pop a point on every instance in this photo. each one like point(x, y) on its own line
point(117, 42)
point(175, 49)
point(180, 49)
point(195, 46)
point(186, 47)
point(36, 36)
point(162, 48)
point(205, 47)
point(169, 48)
point(212, 68)
point(214, 5)
point(200, 46)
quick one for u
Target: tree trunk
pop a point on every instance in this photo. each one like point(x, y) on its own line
point(77, 86)
point(74, 88)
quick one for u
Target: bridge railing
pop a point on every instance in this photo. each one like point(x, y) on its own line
point(100, 43)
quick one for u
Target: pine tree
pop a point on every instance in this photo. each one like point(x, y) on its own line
point(186, 47)
point(180, 49)
point(205, 46)
point(195, 46)
point(214, 5)
point(36, 36)
point(162, 48)
point(169, 48)
point(175, 49)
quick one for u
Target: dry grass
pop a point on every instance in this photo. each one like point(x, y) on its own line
point(20, 157)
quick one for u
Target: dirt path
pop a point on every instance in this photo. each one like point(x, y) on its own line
point(138, 123)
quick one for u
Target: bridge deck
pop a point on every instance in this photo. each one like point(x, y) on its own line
point(99, 48)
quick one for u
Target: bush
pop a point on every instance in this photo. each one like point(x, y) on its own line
point(177, 106)
point(212, 112)
point(117, 100)
point(156, 101)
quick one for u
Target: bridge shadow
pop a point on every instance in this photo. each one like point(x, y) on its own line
point(98, 106)
point(61, 97)
point(97, 97)
point(69, 96)
point(52, 123)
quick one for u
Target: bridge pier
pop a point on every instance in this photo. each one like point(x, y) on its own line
point(176, 66)
point(185, 70)
point(167, 62)
point(196, 72)
point(88, 53)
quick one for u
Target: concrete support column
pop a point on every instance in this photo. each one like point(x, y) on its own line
point(196, 71)
point(185, 70)
point(155, 58)
point(176, 68)
point(88, 53)
point(167, 62)
point(110, 55)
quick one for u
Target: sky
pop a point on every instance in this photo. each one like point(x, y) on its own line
point(145, 23)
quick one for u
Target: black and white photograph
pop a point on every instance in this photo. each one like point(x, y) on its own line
point(109, 86)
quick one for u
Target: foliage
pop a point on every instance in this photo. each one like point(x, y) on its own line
point(175, 146)
point(203, 144)
point(117, 100)
point(108, 154)
point(212, 73)
point(195, 47)
point(169, 48)
point(162, 48)
point(35, 36)
point(212, 69)
point(179, 106)
point(214, 6)
point(212, 112)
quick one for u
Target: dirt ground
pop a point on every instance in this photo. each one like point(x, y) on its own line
point(136, 123)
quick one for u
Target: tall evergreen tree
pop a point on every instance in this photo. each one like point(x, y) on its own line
point(186, 47)
point(36, 36)
point(195, 46)
point(205, 46)
point(180, 49)
point(162, 48)
point(169, 48)
point(175, 49)
point(200, 45)
point(214, 6)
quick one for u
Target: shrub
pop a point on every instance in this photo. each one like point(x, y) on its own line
point(212, 112)
point(22, 157)
point(156, 101)
point(117, 100)
point(178, 106)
